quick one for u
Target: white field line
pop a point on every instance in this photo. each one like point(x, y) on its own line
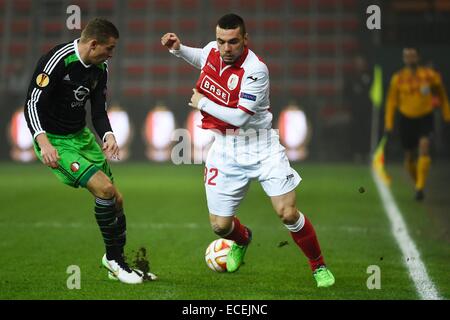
point(411, 256)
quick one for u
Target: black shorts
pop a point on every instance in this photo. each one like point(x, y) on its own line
point(412, 129)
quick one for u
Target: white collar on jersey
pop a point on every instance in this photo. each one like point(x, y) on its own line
point(75, 44)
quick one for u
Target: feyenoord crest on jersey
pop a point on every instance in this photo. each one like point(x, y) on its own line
point(74, 166)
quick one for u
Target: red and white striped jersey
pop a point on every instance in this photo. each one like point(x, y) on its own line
point(243, 85)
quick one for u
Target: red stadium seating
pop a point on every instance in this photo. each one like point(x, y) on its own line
point(137, 26)
point(299, 47)
point(273, 5)
point(325, 90)
point(350, 46)
point(133, 92)
point(159, 70)
point(248, 5)
point(137, 5)
point(83, 4)
point(135, 70)
point(22, 6)
point(21, 26)
point(326, 47)
point(105, 5)
point(159, 92)
point(327, 69)
point(275, 69)
point(189, 5)
point(302, 5)
point(302, 69)
point(46, 47)
point(327, 25)
point(299, 90)
point(188, 25)
point(18, 49)
point(163, 5)
point(272, 26)
point(350, 24)
point(157, 49)
point(272, 48)
point(53, 26)
point(135, 48)
point(303, 25)
point(184, 69)
point(327, 4)
point(221, 5)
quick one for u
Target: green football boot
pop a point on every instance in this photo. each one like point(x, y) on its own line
point(324, 277)
point(235, 257)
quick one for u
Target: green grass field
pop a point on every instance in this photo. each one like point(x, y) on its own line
point(46, 227)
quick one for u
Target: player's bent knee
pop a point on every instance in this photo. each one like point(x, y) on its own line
point(101, 186)
point(221, 226)
point(288, 214)
point(107, 191)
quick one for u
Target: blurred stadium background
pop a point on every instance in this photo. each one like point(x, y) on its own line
point(326, 102)
point(320, 54)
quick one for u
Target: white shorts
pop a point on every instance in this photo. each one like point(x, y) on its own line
point(233, 161)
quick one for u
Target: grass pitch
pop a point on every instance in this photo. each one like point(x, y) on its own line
point(45, 227)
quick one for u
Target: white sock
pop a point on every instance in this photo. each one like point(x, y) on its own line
point(296, 227)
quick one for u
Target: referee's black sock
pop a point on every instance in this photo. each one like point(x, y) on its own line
point(105, 214)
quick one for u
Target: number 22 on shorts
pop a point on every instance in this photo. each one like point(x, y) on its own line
point(210, 175)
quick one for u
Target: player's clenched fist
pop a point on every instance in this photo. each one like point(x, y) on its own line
point(171, 41)
point(195, 99)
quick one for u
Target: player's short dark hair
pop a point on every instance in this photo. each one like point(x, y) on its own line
point(100, 30)
point(232, 21)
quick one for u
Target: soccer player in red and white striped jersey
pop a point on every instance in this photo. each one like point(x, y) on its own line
point(232, 93)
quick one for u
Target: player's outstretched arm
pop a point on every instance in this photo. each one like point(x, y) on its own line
point(191, 55)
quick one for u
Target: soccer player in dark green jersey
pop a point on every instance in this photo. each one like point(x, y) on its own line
point(64, 79)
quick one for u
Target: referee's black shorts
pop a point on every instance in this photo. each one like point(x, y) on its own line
point(412, 129)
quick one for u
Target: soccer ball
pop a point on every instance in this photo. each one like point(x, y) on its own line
point(216, 254)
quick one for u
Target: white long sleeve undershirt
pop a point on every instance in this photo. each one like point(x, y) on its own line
point(233, 116)
point(191, 55)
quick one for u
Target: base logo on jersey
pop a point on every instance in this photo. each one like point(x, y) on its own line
point(233, 81)
point(211, 86)
point(42, 80)
point(74, 166)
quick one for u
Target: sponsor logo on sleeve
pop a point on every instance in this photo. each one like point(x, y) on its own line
point(248, 96)
point(42, 80)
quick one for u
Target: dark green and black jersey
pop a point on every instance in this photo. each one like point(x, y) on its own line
point(58, 92)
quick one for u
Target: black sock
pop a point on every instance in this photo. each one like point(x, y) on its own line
point(121, 230)
point(107, 221)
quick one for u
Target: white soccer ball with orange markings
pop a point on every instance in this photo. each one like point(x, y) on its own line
point(216, 254)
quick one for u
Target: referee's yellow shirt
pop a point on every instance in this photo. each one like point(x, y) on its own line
point(412, 93)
